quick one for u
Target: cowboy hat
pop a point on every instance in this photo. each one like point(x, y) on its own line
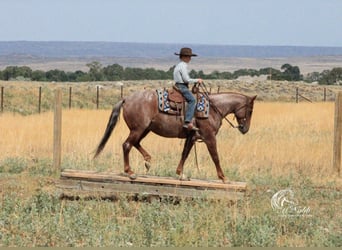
point(185, 52)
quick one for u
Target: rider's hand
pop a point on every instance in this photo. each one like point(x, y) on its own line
point(199, 80)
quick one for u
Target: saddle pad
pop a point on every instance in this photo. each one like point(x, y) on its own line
point(202, 107)
point(163, 103)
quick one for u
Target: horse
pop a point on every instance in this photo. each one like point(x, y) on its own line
point(141, 114)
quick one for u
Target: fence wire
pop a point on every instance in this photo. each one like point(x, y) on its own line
point(30, 97)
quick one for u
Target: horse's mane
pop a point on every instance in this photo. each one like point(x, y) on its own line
point(226, 92)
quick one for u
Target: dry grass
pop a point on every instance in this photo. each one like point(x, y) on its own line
point(285, 139)
point(289, 145)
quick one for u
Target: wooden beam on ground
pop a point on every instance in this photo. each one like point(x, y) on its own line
point(106, 184)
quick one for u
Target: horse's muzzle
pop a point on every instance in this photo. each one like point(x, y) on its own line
point(243, 129)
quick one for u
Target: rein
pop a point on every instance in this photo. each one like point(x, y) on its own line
point(206, 93)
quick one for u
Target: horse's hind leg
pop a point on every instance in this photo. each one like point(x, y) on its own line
point(132, 140)
point(145, 154)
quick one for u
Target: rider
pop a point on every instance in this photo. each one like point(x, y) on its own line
point(182, 80)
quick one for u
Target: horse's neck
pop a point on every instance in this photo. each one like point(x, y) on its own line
point(227, 102)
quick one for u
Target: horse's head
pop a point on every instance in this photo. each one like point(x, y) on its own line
point(243, 114)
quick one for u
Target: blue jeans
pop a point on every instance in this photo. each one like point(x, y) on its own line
point(184, 89)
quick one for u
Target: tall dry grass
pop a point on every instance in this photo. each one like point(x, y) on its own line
point(288, 146)
point(285, 140)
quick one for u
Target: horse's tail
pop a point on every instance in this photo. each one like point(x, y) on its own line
point(113, 119)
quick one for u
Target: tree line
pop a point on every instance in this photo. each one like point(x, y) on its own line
point(116, 72)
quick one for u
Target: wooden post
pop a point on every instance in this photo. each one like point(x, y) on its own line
point(97, 96)
point(121, 88)
point(40, 99)
point(337, 133)
point(297, 95)
point(324, 94)
point(2, 99)
point(70, 92)
point(57, 131)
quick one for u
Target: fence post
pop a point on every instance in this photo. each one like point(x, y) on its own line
point(337, 133)
point(121, 88)
point(70, 91)
point(39, 99)
point(297, 95)
point(2, 99)
point(325, 95)
point(57, 131)
point(97, 96)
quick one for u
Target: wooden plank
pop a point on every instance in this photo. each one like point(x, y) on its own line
point(73, 187)
point(112, 177)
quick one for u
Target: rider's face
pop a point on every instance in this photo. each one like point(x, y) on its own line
point(186, 58)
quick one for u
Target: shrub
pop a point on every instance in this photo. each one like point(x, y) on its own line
point(13, 165)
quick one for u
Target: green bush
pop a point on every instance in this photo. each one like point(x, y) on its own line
point(41, 167)
point(13, 165)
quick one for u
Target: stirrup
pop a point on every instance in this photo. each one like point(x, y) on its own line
point(190, 126)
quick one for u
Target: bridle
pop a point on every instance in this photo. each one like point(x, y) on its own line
point(246, 105)
point(206, 94)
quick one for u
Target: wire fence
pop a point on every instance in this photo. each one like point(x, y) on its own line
point(34, 98)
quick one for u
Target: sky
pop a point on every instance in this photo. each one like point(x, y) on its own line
point(218, 22)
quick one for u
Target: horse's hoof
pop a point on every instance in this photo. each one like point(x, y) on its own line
point(147, 166)
point(225, 180)
point(183, 177)
point(132, 175)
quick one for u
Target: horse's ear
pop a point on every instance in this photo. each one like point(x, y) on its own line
point(253, 98)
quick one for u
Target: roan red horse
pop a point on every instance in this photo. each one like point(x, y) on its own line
point(141, 114)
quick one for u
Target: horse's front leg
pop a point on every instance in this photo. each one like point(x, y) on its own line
point(212, 148)
point(189, 142)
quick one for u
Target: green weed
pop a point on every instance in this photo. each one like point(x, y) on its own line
point(13, 165)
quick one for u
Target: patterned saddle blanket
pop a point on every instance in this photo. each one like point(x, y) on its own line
point(172, 102)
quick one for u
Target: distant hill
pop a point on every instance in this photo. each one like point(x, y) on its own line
point(72, 56)
point(147, 50)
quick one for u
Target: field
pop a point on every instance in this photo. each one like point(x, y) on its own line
point(23, 97)
point(289, 146)
point(307, 64)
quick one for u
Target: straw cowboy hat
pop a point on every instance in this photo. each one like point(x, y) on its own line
point(185, 52)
